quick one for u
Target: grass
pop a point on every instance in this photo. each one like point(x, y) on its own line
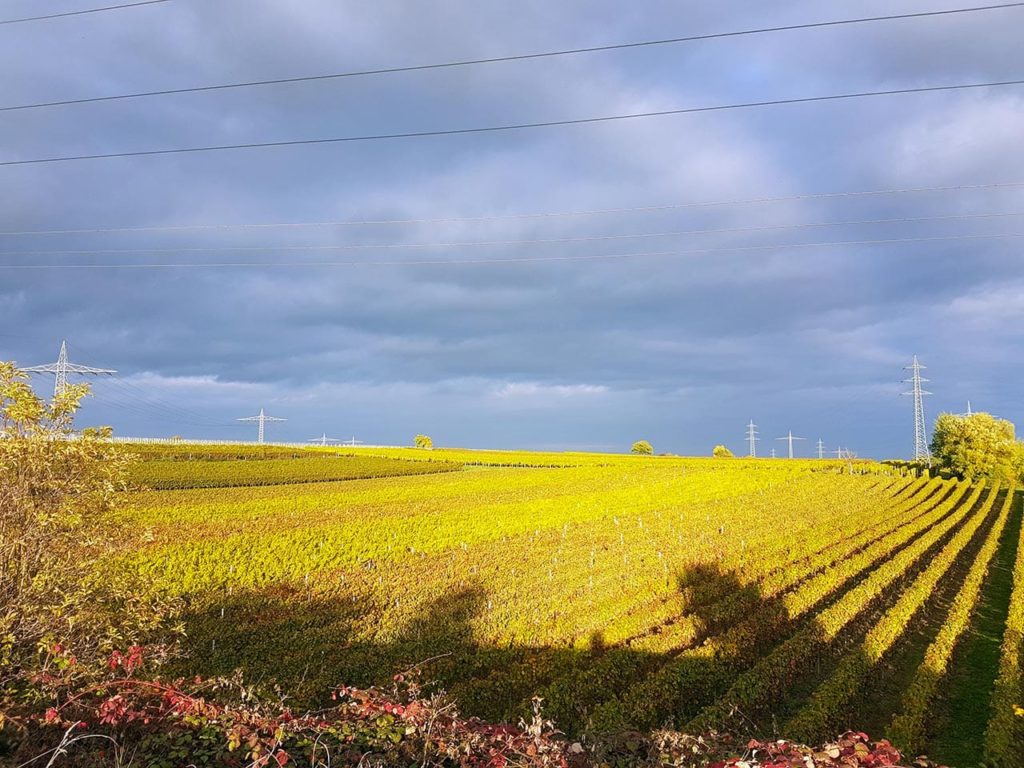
point(963, 714)
point(883, 697)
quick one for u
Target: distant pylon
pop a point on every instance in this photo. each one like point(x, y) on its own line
point(789, 438)
point(353, 442)
point(773, 453)
point(261, 419)
point(821, 449)
point(752, 438)
point(323, 440)
point(969, 412)
point(921, 452)
point(62, 368)
point(838, 452)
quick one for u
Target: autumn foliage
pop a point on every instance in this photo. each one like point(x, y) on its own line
point(59, 621)
point(222, 723)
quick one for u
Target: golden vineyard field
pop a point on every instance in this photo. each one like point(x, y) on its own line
point(798, 597)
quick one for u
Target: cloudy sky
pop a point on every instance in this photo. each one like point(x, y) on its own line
point(681, 338)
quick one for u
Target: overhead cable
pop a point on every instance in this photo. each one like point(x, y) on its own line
point(511, 126)
point(81, 12)
point(503, 59)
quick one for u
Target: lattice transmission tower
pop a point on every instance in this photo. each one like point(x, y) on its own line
point(752, 439)
point(63, 368)
point(921, 452)
point(323, 440)
point(261, 419)
point(790, 438)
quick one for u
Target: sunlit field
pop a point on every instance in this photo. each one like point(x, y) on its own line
point(627, 592)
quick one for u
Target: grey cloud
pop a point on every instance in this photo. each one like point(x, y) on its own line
point(682, 350)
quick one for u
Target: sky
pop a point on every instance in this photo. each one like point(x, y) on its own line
point(680, 336)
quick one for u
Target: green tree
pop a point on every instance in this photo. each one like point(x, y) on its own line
point(977, 446)
point(423, 441)
point(721, 452)
point(642, 448)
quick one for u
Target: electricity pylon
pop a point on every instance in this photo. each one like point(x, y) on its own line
point(62, 368)
point(773, 453)
point(752, 438)
point(353, 442)
point(323, 440)
point(821, 449)
point(261, 419)
point(789, 438)
point(921, 452)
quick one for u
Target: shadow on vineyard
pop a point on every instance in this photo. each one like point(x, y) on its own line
point(280, 636)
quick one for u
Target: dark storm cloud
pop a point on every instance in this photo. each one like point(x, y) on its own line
point(681, 349)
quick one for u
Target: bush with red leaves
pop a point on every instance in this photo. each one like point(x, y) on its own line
point(221, 723)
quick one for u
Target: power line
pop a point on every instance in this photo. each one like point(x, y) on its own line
point(513, 126)
point(518, 216)
point(514, 259)
point(82, 12)
point(149, 400)
point(536, 241)
point(146, 406)
point(517, 57)
point(131, 397)
point(63, 368)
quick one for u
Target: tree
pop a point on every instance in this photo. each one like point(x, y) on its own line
point(642, 448)
point(423, 441)
point(721, 452)
point(977, 446)
point(57, 492)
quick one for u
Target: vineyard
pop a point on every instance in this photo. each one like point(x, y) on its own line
point(224, 473)
point(798, 597)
